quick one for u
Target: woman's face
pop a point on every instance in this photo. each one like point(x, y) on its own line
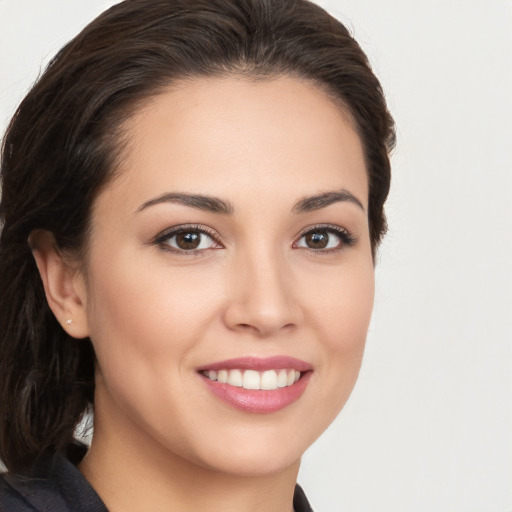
point(232, 252)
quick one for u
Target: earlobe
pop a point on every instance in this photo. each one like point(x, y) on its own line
point(63, 286)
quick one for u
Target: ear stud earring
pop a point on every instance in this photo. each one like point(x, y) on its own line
point(69, 321)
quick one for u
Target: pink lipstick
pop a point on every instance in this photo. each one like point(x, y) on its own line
point(258, 385)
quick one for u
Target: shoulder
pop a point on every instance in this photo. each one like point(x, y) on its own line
point(300, 502)
point(55, 485)
point(10, 499)
point(24, 493)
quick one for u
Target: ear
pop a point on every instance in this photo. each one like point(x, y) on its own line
point(63, 284)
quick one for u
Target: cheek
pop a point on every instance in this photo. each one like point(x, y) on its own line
point(151, 297)
point(342, 303)
point(147, 313)
point(146, 323)
point(350, 311)
point(342, 315)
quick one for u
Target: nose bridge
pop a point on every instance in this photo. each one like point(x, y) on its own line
point(261, 296)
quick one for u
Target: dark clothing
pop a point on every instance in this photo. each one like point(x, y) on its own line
point(56, 485)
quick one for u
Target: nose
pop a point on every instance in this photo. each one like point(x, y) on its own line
point(262, 297)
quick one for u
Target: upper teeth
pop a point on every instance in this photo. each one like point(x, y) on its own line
point(251, 379)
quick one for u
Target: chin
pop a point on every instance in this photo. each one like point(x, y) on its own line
point(254, 456)
point(255, 465)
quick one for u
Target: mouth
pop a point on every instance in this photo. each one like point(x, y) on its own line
point(251, 379)
point(257, 385)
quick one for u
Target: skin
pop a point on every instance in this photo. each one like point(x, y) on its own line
point(155, 315)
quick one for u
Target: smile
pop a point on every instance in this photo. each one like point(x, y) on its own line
point(252, 379)
point(257, 385)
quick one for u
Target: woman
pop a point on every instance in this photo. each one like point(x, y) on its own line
point(192, 200)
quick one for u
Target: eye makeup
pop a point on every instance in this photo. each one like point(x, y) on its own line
point(318, 238)
point(191, 239)
point(188, 239)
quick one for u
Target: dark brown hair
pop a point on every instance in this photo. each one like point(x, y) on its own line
point(61, 147)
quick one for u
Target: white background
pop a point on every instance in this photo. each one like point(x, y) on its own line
point(429, 425)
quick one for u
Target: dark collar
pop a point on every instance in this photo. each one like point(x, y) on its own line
point(56, 485)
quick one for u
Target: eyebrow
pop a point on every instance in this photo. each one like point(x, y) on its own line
point(319, 201)
point(200, 202)
point(216, 205)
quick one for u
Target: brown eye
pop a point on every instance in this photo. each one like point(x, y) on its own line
point(317, 240)
point(325, 238)
point(188, 240)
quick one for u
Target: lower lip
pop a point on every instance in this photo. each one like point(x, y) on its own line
point(258, 400)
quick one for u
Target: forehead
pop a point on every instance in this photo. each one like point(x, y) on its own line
point(222, 135)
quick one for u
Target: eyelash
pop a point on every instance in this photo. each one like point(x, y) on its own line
point(346, 238)
point(187, 228)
